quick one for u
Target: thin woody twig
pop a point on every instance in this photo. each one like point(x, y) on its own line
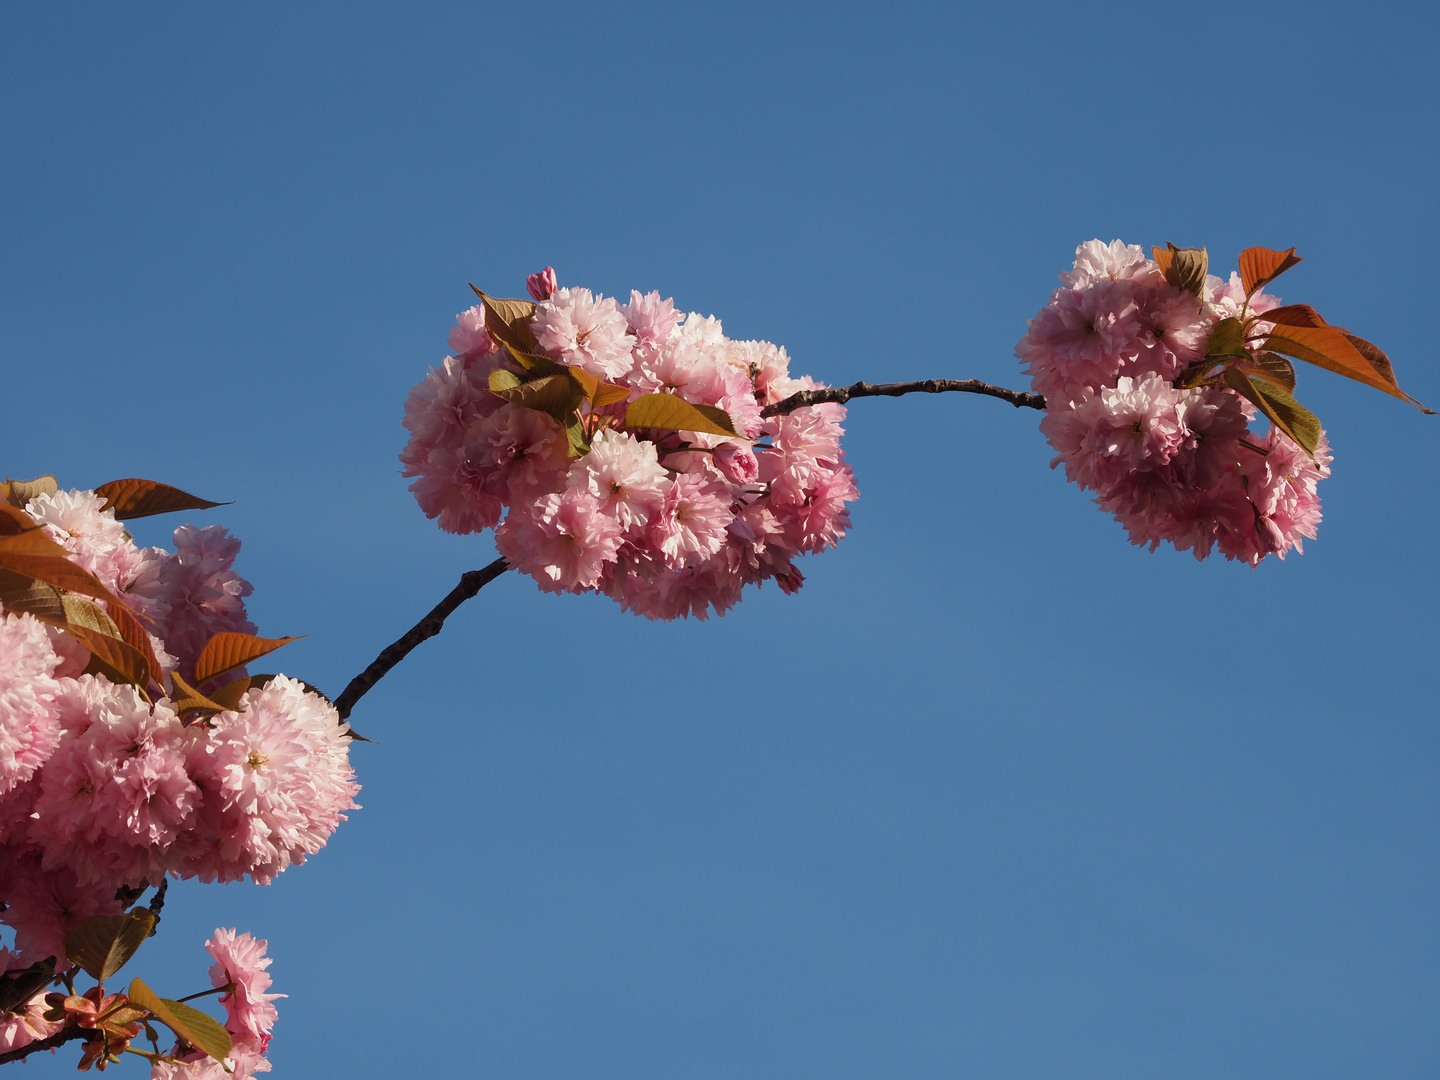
point(841, 394)
point(60, 1038)
point(471, 583)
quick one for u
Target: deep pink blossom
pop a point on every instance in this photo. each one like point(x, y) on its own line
point(541, 285)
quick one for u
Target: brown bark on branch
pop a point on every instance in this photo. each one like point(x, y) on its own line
point(475, 580)
point(841, 394)
point(471, 583)
point(60, 1038)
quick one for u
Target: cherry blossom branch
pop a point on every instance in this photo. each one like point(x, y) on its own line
point(471, 583)
point(841, 394)
point(53, 1042)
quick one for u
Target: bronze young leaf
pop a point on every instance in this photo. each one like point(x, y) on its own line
point(145, 498)
point(1185, 268)
point(1259, 266)
point(1332, 348)
point(229, 650)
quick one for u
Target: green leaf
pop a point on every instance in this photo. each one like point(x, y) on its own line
point(145, 498)
point(672, 413)
point(504, 379)
point(558, 396)
point(1273, 368)
point(575, 435)
point(537, 364)
point(103, 944)
point(1227, 339)
point(1284, 411)
point(198, 1029)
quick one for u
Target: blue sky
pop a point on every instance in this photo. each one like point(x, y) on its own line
point(996, 795)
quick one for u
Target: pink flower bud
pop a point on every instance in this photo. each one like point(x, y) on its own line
point(790, 581)
point(542, 285)
point(737, 463)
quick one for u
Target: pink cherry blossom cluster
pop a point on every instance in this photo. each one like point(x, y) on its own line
point(1171, 463)
point(240, 965)
point(668, 523)
point(103, 789)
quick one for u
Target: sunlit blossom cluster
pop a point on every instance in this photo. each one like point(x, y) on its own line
point(668, 523)
point(103, 789)
point(1170, 463)
point(240, 970)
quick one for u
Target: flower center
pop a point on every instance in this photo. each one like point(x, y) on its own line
point(256, 759)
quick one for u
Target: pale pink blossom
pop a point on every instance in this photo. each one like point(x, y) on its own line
point(736, 463)
point(241, 963)
point(624, 474)
point(469, 335)
point(95, 540)
point(1097, 263)
point(583, 330)
point(29, 723)
point(26, 1022)
point(1172, 465)
point(45, 905)
point(651, 319)
point(115, 795)
point(276, 782)
point(692, 521)
point(563, 541)
point(520, 452)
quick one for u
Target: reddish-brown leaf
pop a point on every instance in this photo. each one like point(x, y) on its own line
point(1293, 315)
point(508, 321)
point(1185, 268)
point(1377, 358)
point(145, 498)
point(14, 520)
point(1331, 348)
point(118, 661)
point(1259, 266)
point(57, 571)
point(32, 541)
point(136, 637)
point(228, 651)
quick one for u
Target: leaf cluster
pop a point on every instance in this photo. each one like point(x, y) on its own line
point(573, 397)
point(1256, 363)
point(38, 576)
